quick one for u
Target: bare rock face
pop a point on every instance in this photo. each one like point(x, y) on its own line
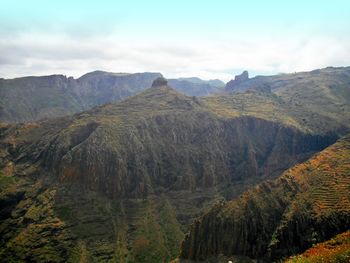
point(159, 82)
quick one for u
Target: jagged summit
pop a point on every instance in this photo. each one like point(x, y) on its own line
point(159, 82)
point(232, 84)
point(242, 77)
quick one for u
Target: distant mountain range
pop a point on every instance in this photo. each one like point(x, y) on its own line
point(258, 170)
point(34, 98)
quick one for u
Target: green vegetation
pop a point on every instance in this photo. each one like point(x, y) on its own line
point(58, 227)
point(260, 105)
point(6, 181)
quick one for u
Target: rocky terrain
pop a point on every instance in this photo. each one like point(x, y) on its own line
point(122, 182)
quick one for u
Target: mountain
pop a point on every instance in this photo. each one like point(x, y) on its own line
point(165, 139)
point(233, 85)
point(319, 91)
point(123, 181)
point(33, 98)
point(309, 203)
point(322, 93)
point(321, 80)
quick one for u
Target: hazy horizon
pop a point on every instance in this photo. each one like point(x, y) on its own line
point(210, 40)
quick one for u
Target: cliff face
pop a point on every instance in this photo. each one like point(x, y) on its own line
point(309, 203)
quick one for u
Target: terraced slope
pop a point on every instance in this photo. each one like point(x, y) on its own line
point(309, 203)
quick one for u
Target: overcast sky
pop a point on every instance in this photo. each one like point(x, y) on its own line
point(182, 38)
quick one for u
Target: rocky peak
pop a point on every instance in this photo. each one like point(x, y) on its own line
point(242, 77)
point(233, 84)
point(159, 82)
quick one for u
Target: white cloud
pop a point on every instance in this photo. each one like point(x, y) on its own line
point(40, 54)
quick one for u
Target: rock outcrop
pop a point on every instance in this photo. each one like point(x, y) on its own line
point(232, 84)
point(244, 76)
point(159, 82)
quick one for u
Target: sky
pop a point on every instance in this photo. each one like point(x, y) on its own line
point(182, 38)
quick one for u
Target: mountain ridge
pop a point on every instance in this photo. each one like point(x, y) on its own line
point(33, 98)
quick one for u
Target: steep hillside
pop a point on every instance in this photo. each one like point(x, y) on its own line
point(309, 203)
